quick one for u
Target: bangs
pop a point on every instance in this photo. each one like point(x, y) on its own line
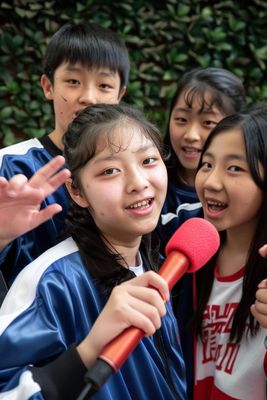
point(207, 98)
point(115, 141)
point(96, 54)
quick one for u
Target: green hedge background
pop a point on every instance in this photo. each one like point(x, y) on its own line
point(164, 38)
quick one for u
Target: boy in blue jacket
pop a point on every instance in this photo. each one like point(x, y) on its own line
point(84, 64)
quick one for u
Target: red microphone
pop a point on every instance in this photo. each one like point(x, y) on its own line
point(190, 247)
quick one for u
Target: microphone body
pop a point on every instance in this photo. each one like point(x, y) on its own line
point(191, 246)
point(116, 352)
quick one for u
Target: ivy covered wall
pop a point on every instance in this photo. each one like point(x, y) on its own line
point(164, 38)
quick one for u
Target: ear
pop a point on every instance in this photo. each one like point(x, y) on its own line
point(47, 87)
point(76, 194)
point(122, 93)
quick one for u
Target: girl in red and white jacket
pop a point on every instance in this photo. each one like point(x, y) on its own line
point(231, 183)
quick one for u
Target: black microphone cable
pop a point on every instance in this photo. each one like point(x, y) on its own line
point(95, 378)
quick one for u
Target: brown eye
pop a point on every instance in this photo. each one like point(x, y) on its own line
point(110, 171)
point(149, 160)
point(210, 124)
point(235, 168)
point(205, 165)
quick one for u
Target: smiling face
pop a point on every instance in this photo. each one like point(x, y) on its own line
point(76, 87)
point(231, 199)
point(124, 185)
point(189, 128)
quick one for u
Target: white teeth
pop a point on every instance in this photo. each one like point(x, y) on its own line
point(216, 203)
point(143, 203)
point(191, 149)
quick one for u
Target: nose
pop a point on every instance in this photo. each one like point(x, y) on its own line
point(136, 180)
point(88, 96)
point(192, 132)
point(213, 181)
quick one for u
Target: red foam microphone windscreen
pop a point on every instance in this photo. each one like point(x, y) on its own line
point(197, 239)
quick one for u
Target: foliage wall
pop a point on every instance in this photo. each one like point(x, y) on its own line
point(164, 38)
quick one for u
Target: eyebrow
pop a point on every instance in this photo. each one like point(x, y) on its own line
point(71, 68)
point(188, 110)
point(229, 157)
point(114, 156)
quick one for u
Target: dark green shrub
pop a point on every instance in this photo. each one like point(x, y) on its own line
point(164, 39)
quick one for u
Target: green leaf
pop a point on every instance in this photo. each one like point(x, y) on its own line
point(183, 9)
point(217, 34)
point(206, 12)
point(9, 137)
point(5, 112)
point(261, 52)
point(264, 91)
point(19, 113)
point(34, 105)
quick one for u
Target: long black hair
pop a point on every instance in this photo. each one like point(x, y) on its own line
point(253, 125)
point(225, 91)
point(80, 144)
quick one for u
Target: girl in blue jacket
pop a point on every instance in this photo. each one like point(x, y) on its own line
point(65, 306)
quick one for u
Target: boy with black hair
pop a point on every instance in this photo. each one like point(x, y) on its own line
point(84, 64)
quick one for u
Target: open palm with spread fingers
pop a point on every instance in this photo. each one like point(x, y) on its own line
point(20, 199)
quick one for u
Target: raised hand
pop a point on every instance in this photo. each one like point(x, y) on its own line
point(259, 308)
point(263, 251)
point(20, 200)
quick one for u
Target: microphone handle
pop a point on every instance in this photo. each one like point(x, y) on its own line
point(174, 267)
point(116, 351)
